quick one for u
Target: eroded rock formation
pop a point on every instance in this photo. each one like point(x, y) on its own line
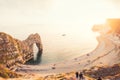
point(14, 52)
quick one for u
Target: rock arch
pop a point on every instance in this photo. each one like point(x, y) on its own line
point(14, 51)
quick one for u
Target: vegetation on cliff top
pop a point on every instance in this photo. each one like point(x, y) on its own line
point(6, 73)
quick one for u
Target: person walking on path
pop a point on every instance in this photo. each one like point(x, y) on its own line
point(77, 75)
point(99, 78)
point(81, 77)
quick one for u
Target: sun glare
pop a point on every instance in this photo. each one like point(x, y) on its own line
point(99, 21)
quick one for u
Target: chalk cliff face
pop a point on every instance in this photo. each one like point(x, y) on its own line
point(14, 52)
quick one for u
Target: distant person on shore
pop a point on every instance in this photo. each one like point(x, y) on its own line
point(81, 77)
point(77, 75)
point(99, 78)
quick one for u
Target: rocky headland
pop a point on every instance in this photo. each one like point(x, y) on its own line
point(14, 52)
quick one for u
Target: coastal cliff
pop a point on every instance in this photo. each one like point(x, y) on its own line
point(110, 26)
point(107, 65)
point(14, 52)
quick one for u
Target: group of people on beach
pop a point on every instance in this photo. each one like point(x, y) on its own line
point(80, 76)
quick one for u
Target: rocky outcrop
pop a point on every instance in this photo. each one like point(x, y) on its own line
point(114, 24)
point(111, 26)
point(14, 52)
point(106, 72)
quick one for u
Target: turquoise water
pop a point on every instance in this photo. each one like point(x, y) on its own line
point(57, 48)
point(60, 54)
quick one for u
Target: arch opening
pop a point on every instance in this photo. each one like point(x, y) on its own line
point(37, 55)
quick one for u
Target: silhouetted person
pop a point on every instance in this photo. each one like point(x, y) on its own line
point(99, 78)
point(77, 75)
point(81, 76)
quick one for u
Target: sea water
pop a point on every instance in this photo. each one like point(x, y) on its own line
point(57, 48)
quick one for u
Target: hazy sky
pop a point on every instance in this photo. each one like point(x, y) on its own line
point(52, 15)
point(56, 11)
